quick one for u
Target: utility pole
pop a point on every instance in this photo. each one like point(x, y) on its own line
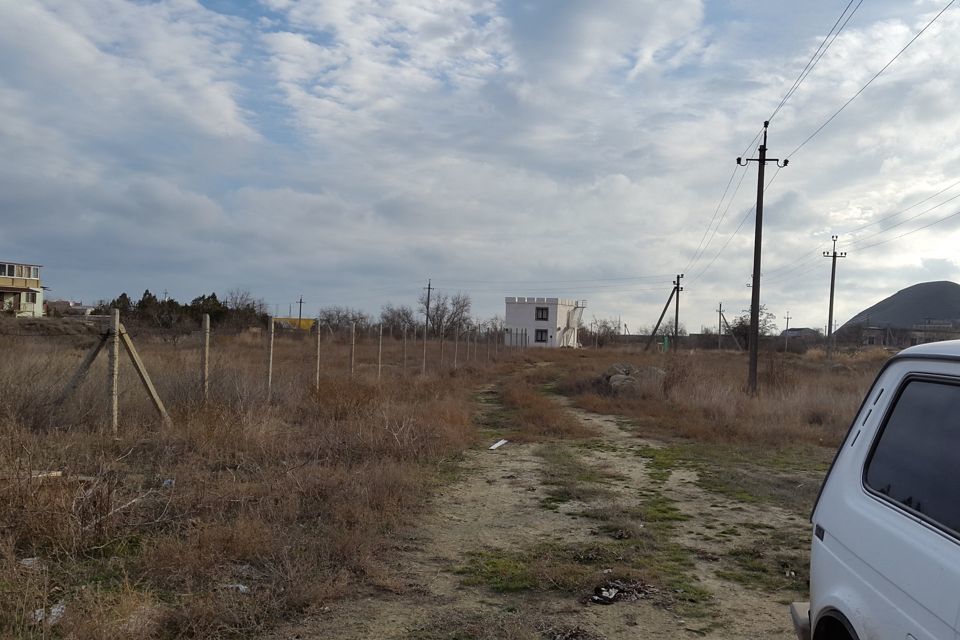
point(676, 312)
point(653, 334)
point(833, 255)
point(786, 333)
point(720, 327)
point(426, 327)
point(758, 237)
point(300, 312)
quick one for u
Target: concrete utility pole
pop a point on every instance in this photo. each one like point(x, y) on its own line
point(300, 312)
point(426, 327)
point(833, 255)
point(676, 311)
point(757, 241)
point(786, 333)
point(653, 334)
point(720, 327)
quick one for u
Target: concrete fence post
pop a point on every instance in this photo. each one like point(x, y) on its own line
point(270, 361)
point(403, 367)
point(205, 364)
point(353, 346)
point(380, 354)
point(317, 377)
point(456, 345)
point(114, 370)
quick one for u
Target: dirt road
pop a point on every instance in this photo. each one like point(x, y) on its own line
point(516, 544)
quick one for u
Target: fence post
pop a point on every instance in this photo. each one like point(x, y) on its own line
point(423, 370)
point(442, 329)
point(270, 362)
point(317, 380)
point(380, 354)
point(114, 370)
point(456, 345)
point(206, 358)
point(353, 345)
point(403, 367)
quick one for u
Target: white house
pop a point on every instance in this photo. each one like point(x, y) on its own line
point(543, 322)
point(20, 290)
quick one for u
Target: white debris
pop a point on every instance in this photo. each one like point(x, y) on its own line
point(51, 616)
point(239, 588)
point(30, 563)
point(498, 444)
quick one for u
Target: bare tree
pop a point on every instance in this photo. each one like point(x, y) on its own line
point(396, 319)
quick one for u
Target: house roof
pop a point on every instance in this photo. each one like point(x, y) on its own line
point(22, 264)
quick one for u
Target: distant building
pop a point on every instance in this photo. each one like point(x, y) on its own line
point(543, 322)
point(800, 333)
point(20, 290)
point(68, 308)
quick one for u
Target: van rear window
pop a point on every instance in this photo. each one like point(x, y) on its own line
point(916, 461)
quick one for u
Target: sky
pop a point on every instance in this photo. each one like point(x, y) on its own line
point(348, 151)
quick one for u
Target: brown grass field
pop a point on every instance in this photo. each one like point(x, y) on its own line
point(245, 515)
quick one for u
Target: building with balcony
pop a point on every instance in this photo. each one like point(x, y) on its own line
point(20, 290)
point(542, 322)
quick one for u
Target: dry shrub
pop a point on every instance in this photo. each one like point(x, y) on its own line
point(536, 416)
point(801, 400)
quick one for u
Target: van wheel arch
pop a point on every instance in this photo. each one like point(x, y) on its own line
point(833, 625)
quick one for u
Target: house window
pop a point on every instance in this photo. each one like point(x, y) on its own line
point(35, 273)
point(541, 335)
point(543, 313)
point(10, 270)
point(31, 297)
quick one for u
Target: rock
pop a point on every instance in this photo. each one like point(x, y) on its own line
point(625, 378)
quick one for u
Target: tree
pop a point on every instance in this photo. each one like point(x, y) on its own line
point(741, 326)
point(666, 329)
point(396, 319)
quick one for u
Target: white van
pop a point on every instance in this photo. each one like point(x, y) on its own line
point(885, 552)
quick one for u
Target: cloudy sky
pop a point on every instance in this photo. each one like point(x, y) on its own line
point(349, 150)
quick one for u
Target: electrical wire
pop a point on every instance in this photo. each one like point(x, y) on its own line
point(815, 58)
point(869, 82)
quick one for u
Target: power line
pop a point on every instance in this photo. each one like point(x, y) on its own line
point(903, 235)
point(870, 81)
point(815, 58)
point(702, 248)
point(808, 257)
point(895, 214)
point(905, 220)
point(735, 231)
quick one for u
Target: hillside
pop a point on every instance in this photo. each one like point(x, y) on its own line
point(919, 304)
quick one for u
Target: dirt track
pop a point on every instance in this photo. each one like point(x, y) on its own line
point(497, 506)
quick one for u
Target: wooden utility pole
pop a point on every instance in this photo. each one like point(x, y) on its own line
point(300, 313)
point(833, 255)
point(206, 358)
point(757, 242)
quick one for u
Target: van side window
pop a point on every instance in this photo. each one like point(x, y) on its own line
point(914, 462)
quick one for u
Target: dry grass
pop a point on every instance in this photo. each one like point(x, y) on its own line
point(151, 534)
point(803, 399)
